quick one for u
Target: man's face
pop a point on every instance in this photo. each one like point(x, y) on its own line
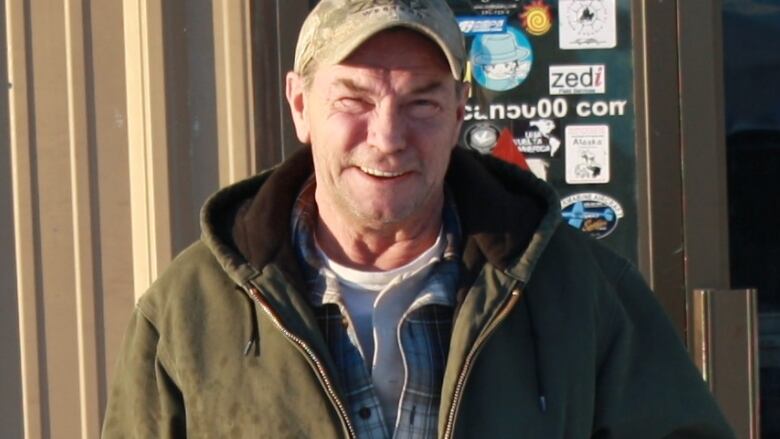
point(382, 125)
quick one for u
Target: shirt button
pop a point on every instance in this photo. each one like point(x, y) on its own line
point(364, 413)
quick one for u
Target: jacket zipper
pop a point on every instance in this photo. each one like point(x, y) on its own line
point(254, 293)
point(514, 297)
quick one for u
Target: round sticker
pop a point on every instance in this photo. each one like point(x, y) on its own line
point(592, 213)
point(537, 18)
point(501, 61)
point(481, 137)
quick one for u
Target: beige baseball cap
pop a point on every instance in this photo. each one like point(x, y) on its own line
point(335, 28)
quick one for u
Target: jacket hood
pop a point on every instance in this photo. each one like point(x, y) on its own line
point(247, 225)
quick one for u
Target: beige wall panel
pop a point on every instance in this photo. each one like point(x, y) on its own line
point(84, 232)
point(201, 95)
point(147, 140)
point(25, 214)
point(233, 56)
point(111, 186)
point(190, 106)
point(52, 178)
point(11, 415)
point(275, 26)
point(122, 121)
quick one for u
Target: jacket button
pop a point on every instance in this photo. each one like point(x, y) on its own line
point(364, 413)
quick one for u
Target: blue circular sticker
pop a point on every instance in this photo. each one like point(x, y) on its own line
point(592, 213)
point(501, 61)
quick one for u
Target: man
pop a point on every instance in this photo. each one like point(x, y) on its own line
point(385, 283)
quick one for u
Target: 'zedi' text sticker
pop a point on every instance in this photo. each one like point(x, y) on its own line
point(578, 79)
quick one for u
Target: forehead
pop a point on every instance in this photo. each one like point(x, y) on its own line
point(395, 50)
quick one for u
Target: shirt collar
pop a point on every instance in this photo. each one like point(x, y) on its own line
point(322, 283)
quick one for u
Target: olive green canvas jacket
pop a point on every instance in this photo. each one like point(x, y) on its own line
point(554, 336)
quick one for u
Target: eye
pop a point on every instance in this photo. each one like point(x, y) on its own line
point(423, 108)
point(352, 105)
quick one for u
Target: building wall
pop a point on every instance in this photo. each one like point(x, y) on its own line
point(10, 365)
point(120, 118)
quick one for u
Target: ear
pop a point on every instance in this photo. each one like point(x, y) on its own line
point(296, 97)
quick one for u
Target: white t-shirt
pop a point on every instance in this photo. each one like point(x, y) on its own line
point(376, 301)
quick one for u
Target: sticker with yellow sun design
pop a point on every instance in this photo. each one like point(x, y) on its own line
point(536, 18)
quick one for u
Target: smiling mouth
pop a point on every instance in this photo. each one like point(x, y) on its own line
point(383, 174)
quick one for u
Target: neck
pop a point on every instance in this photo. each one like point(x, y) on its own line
point(377, 247)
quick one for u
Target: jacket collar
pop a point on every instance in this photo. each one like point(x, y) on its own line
point(247, 225)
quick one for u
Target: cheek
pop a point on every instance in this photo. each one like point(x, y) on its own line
point(440, 140)
point(436, 151)
point(334, 142)
point(339, 133)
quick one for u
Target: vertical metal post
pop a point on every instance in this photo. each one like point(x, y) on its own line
point(658, 154)
point(724, 335)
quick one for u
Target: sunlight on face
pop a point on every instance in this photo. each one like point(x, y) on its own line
point(382, 126)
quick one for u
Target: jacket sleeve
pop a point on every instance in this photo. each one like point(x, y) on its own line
point(647, 386)
point(144, 402)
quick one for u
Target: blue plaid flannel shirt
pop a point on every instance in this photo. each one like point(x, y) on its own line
point(424, 332)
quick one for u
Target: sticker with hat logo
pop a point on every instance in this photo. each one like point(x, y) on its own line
point(501, 61)
point(593, 213)
point(536, 18)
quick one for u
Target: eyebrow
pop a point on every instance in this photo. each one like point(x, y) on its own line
point(354, 87)
point(428, 87)
point(351, 85)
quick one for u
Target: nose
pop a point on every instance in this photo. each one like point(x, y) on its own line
point(387, 129)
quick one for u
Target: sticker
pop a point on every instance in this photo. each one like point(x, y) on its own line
point(544, 108)
point(587, 24)
point(539, 167)
point(593, 213)
point(601, 108)
point(587, 154)
point(487, 7)
point(506, 151)
point(481, 137)
point(578, 80)
point(482, 25)
point(540, 138)
point(536, 18)
point(501, 61)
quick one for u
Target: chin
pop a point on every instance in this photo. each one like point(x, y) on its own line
point(385, 215)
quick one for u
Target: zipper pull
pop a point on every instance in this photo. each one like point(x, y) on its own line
point(543, 403)
point(255, 335)
point(248, 347)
